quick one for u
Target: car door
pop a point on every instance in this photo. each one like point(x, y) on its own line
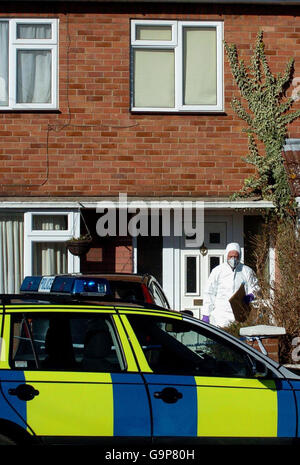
point(172, 395)
point(73, 377)
point(203, 386)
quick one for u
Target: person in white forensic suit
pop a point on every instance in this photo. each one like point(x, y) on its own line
point(223, 282)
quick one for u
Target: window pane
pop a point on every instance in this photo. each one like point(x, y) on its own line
point(214, 238)
point(34, 31)
point(200, 66)
point(65, 342)
point(49, 258)
point(34, 76)
point(191, 274)
point(11, 256)
point(154, 78)
point(213, 262)
point(50, 223)
point(181, 348)
point(153, 33)
point(4, 63)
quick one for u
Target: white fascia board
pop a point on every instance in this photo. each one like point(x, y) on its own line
point(39, 205)
point(254, 204)
point(142, 202)
point(292, 145)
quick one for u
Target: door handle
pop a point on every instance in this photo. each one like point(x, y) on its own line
point(24, 392)
point(169, 395)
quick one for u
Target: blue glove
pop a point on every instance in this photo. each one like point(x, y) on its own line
point(205, 318)
point(248, 298)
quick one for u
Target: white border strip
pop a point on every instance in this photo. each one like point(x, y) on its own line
point(214, 205)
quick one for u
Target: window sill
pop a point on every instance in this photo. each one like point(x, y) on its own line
point(28, 110)
point(177, 112)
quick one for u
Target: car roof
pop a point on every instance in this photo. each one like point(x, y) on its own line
point(69, 300)
point(132, 277)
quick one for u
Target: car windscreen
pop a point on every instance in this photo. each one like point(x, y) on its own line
point(127, 291)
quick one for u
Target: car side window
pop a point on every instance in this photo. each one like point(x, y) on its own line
point(65, 342)
point(176, 347)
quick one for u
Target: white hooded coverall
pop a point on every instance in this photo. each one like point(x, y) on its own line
point(222, 283)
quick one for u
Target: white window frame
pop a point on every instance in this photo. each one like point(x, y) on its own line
point(31, 44)
point(176, 44)
point(32, 236)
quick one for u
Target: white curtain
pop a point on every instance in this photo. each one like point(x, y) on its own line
point(11, 255)
point(200, 66)
point(50, 222)
point(34, 31)
point(154, 78)
point(33, 67)
point(154, 33)
point(4, 63)
point(49, 257)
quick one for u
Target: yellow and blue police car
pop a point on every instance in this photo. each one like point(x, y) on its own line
point(78, 367)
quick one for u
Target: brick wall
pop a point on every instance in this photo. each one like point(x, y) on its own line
point(94, 146)
point(109, 256)
point(270, 344)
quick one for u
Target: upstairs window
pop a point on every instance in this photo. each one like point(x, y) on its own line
point(177, 66)
point(28, 63)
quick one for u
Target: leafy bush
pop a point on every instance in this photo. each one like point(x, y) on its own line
point(279, 300)
point(267, 116)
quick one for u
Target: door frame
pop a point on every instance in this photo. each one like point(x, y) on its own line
point(172, 269)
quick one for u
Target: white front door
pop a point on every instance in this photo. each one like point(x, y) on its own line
point(197, 265)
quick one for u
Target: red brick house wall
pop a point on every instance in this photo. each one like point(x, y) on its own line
point(109, 256)
point(271, 345)
point(94, 146)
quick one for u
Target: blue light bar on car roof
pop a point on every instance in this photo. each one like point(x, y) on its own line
point(65, 285)
point(31, 283)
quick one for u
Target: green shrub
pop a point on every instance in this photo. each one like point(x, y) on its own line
point(267, 117)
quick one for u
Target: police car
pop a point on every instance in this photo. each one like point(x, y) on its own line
point(79, 367)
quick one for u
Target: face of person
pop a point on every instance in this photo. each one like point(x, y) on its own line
point(233, 254)
point(233, 258)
